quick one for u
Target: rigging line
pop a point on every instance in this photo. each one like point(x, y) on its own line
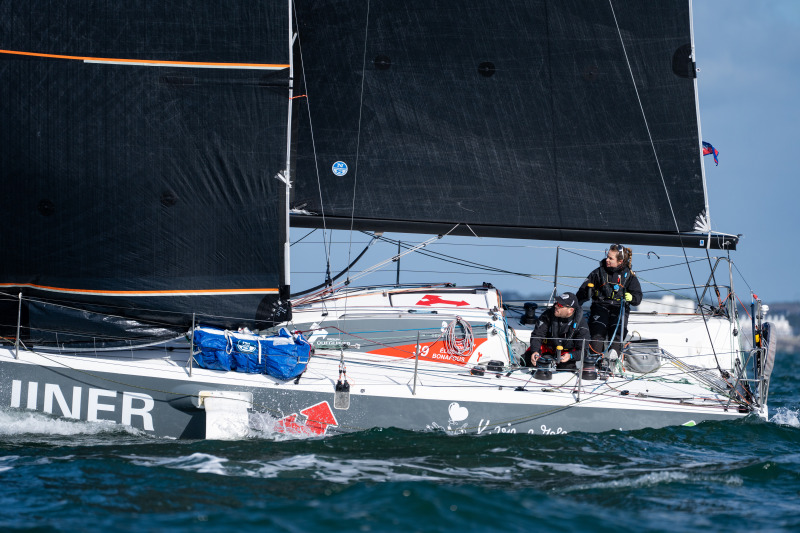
point(661, 288)
point(466, 263)
point(580, 255)
point(744, 307)
point(663, 181)
point(742, 276)
point(408, 251)
point(456, 260)
point(337, 276)
point(493, 270)
point(325, 246)
point(668, 266)
point(358, 134)
point(463, 262)
point(358, 145)
point(379, 265)
point(714, 279)
point(544, 278)
point(304, 236)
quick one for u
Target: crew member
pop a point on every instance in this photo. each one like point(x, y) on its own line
point(563, 325)
point(613, 288)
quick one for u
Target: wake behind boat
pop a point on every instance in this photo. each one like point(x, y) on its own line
point(154, 171)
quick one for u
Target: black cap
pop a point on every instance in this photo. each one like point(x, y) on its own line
point(567, 299)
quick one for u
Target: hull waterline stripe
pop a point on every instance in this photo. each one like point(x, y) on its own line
point(153, 62)
point(203, 292)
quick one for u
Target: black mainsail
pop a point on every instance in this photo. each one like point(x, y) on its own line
point(517, 119)
point(140, 142)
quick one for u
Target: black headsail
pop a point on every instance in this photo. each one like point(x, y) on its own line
point(139, 145)
point(519, 119)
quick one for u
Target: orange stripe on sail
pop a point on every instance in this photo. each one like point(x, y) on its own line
point(200, 292)
point(150, 61)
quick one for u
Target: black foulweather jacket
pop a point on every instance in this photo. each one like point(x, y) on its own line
point(610, 286)
point(567, 332)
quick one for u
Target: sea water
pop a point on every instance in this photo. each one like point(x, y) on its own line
point(59, 475)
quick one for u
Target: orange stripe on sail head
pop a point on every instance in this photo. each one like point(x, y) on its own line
point(197, 292)
point(157, 62)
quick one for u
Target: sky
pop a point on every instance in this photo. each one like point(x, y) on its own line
point(748, 53)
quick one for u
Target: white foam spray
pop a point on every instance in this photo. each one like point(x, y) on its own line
point(21, 422)
point(786, 417)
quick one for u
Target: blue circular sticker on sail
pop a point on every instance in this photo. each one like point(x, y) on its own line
point(339, 168)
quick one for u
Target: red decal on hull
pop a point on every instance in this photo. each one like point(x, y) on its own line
point(436, 352)
point(432, 299)
point(314, 421)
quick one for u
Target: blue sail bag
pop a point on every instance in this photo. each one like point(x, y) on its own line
point(283, 356)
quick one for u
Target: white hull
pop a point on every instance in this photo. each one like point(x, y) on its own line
point(157, 391)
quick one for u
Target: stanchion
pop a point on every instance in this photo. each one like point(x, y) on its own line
point(191, 349)
point(580, 372)
point(416, 365)
point(19, 320)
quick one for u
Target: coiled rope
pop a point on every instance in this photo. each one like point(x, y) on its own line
point(459, 344)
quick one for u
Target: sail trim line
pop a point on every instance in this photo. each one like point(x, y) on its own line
point(153, 62)
point(201, 292)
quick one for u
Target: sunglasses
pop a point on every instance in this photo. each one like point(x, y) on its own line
point(619, 248)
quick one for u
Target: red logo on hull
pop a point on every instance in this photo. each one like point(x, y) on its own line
point(312, 420)
point(432, 299)
point(436, 352)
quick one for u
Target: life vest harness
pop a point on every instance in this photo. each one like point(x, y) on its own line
point(610, 291)
point(552, 340)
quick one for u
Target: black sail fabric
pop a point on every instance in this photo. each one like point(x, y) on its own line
point(520, 119)
point(147, 191)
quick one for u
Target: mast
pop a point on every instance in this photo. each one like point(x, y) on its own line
point(699, 129)
point(287, 176)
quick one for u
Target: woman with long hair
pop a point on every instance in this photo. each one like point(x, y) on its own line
point(613, 289)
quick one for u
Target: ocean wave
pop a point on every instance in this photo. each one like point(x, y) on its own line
point(328, 469)
point(348, 471)
point(657, 478)
point(203, 463)
point(7, 462)
point(571, 468)
point(786, 417)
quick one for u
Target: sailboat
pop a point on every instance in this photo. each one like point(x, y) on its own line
point(155, 159)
